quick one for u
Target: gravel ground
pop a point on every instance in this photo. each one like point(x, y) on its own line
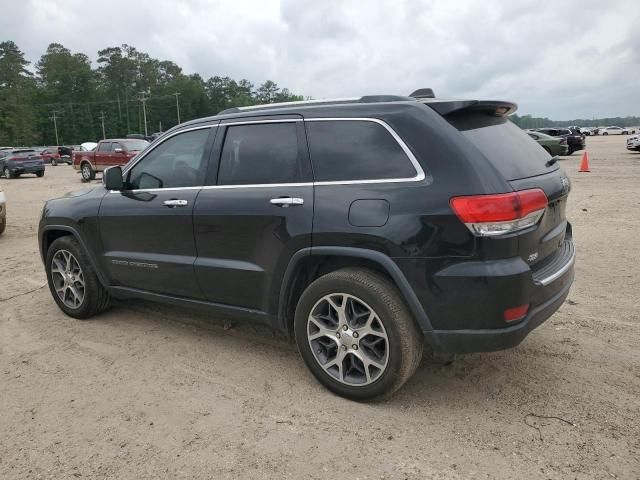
point(149, 391)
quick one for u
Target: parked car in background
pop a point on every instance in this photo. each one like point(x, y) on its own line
point(633, 143)
point(14, 163)
point(51, 155)
point(614, 131)
point(588, 131)
point(553, 145)
point(108, 153)
point(3, 212)
point(575, 139)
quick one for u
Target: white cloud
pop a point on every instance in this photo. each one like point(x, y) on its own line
point(576, 58)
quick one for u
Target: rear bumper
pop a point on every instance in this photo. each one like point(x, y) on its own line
point(31, 169)
point(489, 340)
point(466, 301)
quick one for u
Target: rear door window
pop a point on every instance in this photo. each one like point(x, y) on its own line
point(259, 154)
point(104, 147)
point(351, 150)
point(504, 144)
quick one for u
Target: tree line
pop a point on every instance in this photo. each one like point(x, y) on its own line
point(64, 92)
point(527, 121)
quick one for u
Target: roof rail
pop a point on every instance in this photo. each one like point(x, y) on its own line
point(324, 101)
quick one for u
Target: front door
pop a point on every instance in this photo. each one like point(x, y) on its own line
point(147, 229)
point(256, 214)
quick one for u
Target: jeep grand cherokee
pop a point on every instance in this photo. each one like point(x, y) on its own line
point(365, 228)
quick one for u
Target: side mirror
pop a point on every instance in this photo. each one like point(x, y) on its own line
point(112, 178)
point(118, 150)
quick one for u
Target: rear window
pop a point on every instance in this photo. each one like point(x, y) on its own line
point(135, 145)
point(352, 150)
point(504, 144)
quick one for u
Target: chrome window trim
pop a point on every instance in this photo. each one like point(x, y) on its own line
point(138, 158)
point(252, 122)
point(420, 175)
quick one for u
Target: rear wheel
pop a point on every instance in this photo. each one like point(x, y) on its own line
point(39, 174)
point(53, 162)
point(72, 280)
point(356, 334)
point(605, 133)
point(87, 172)
point(7, 173)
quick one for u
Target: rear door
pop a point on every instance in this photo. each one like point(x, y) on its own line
point(147, 229)
point(102, 156)
point(524, 165)
point(256, 212)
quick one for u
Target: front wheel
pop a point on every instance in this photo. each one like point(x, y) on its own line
point(605, 133)
point(87, 172)
point(53, 162)
point(7, 173)
point(72, 280)
point(356, 334)
point(39, 174)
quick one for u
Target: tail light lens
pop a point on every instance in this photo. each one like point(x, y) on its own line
point(490, 215)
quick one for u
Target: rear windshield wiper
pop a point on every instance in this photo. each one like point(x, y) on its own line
point(552, 161)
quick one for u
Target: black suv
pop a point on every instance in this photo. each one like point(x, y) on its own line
point(365, 228)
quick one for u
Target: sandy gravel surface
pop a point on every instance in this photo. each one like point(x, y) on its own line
point(148, 391)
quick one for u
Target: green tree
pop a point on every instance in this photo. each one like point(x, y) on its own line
point(17, 91)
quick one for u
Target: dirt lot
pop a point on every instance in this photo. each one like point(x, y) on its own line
point(148, 391)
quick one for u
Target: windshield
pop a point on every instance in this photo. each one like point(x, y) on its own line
point(503, 143)
point(135, 145)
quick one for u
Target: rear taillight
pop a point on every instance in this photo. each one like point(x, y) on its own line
point(516, 313)
point(563, 141)
point(489, 215)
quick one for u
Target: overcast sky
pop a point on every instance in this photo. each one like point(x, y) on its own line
point(561, 59)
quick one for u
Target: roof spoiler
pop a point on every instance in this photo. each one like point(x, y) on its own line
point(496, 107)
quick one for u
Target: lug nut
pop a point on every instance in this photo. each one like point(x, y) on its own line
point(338, 334)
point(354, 346)
point(345, 328)
point(355, 334)
point(344, 347)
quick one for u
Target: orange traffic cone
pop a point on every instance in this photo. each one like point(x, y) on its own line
point(584, 164)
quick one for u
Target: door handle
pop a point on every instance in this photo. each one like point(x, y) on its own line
point(286, 201)
point(175, 203)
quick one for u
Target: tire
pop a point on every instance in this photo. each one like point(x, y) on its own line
point(54, 162)
point(605, 133)
point(87, 172)
point(7, 173)
point(39, 174)
point(95, 299)
point(3, 224)
point(360, 291)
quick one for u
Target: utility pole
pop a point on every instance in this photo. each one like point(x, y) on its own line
point(55, 125)
point(177, 106)
point(144, 99)
point(104, 135)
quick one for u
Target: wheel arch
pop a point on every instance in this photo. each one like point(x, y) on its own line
point(51, 233)
point(310, 263)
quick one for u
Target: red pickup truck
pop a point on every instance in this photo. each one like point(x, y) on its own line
point(117, 151)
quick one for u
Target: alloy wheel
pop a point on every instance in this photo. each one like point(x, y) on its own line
point(86, 172)
point(68, 278)
point(348, 339)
